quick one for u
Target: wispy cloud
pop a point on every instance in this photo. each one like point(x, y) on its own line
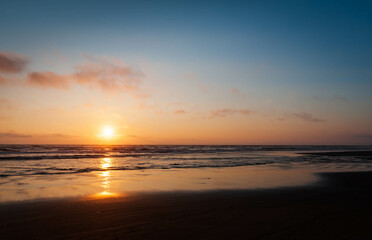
point(304, 116)
point(230, 111)
point(2, 80)
point(179, 112)
point(194, 79)
point(12, 134)
point(307, 117)
point(237, 92)
point(5, 107)
point(110, 75)
point(56, 135)
point(106, 74)
point(48, 80)
point(5, 104)
point(4, 118)
point(11, 63)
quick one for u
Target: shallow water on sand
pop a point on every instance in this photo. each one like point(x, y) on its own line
point(105, 184)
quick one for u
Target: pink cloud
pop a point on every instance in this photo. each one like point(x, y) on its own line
point(4, 118)
point(48, 80)
point(56, 135)
point(230, 111)
point(307, 117)
point(304, 116)
point(235, 90)
point(12, 134)
point(2, 80)
point(6, 104)
point(180, 111)
point(12, 62)
point(108, 75)
point(193, 78)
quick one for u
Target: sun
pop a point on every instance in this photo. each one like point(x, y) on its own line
point(107, 132)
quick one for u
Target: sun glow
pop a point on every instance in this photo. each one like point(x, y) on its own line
point(107, 132)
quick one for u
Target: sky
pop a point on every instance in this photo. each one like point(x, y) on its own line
point(186, 72)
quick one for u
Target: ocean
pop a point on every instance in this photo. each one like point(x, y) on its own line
point(29, 172)
point(23, 160)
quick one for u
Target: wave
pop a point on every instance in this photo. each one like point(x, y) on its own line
point(65, 156)
point(25, 160)
point(58, 171)
point(98, 149)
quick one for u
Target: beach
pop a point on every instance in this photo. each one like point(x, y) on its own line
point(337, 207)
point(185, 192)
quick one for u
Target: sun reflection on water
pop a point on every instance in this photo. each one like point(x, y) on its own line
point(105, 163)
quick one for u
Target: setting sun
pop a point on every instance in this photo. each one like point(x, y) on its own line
point(107, 132)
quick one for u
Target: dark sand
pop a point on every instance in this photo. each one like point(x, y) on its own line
point(339, 207)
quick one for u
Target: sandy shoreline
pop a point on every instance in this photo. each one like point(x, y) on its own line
point(339, 207)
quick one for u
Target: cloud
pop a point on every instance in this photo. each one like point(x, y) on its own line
point(144, 106)
point(110, 75)
point(230, 111)
point(237, 92)
point(179, 112)
point(307, 117)
point(302, 116)
point(6, 104)
point(12, 134)
point(2, 80)
point(194, 79)
point(12, 62)
point(106, 74)
point(4, 118)
point(48, 80)
point(56, 135)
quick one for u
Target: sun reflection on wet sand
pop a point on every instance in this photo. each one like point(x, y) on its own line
point(105, 164)
point(109, 183)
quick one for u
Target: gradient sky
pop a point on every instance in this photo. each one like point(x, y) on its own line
point(191, 72)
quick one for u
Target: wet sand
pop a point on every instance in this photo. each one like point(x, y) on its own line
point(337, 207)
